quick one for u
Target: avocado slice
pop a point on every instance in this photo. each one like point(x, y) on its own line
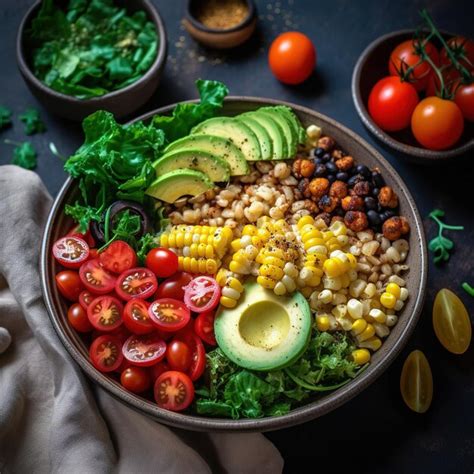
point(221, 147)
point(264, 331)
point(266, 146)
point(216, 168)
point(279, 148)
point(294, 122)
point(290, 136)
point(240, 135)
point(171, 186)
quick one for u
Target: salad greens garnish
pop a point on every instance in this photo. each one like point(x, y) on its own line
point(5, 117)
point(441, 245)
point(232, 391)
point(24, 154)
point(33, 123)
point(91, 48)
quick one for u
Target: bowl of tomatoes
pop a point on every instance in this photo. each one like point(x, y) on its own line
point(399, 98)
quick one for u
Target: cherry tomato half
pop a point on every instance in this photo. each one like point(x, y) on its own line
point(292, 57)
point(465, 99)
point(77, 317)
point(95, 278)
point(437, 123)
point(136, 318)
point(162, 262)
point(144, 350)
point(391, 103)
point(198, 353)
point(106, 353)
point(173, 390)
point(168, 314)
point(85, 298)
point(451, 322)
point(84, 236)
point(69, 284)
point(136, 283)
point(416, 382)
point(105, 313)
point(118, 257)
point(71, 252)
point(173, 286)
point(135, 379)
point(202, 294)
point(179, 356)
point(204, 327)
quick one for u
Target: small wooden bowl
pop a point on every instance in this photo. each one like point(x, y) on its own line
point(217, 38)
point(121, 102)
point(371, 66)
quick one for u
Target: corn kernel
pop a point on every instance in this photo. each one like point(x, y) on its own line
point(289, 283)
point(370, 290)
point(403, 294)
point(398, 305)
point(279, 289)
point(345, 280)
point(290, 270)
point(340, 311)
point(332, 283)
point(327, 235)
point(305, 220)
point(272, 271)
point(266, 282)
point(278, 262)
point(230, 293)
point(325, 296)
point(377, 315)
point(381, 330)
point(312, 234)
point(249, 230)
point(357, 287)
point(322, 323)
point(388, 300)
point(359, 326)
point(238, 267)
point(236, 245)
point(164, 240)
point(352, 260)
point(391, 320)
point(338, 228)
point(338, 298)
point(393, 289)
point(355, 308)
point(263, 234)
point(374, 343)
point(361, 356)
point(235, 284)
point(228, 302)
point(368, 332)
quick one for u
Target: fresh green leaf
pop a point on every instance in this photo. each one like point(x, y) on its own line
point(24, 155)
point(5, 117)
point(219, 409)
point(145, 244)
point(33, 123)
point(83, 215)
point(440, 245)
point(126, 227)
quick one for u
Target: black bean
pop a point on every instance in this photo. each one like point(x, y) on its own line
point(379, 207)
point(342, 176)
point(318, 152)
point(320, 170)
point(363, 170)
point(355, 179)
point(318, 161)
point(374, 218)
point(339, 211)
point(387, 214)
point(370, 203)
point(331, 178)
point(326, 157)
point(331, 167)
point(377, 179)
point(375, 192)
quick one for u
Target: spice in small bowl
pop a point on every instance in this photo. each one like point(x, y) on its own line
point(220, 24)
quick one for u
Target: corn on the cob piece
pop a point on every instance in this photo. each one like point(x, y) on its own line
point(207, 266)
point(232, 288)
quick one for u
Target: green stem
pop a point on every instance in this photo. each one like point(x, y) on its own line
point(106, 225)
point(314, 388)
point(12, 142)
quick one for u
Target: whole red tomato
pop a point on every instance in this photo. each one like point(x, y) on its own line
point(462, 49)
point(391, 103)
point(292, 57)
point(464, 97)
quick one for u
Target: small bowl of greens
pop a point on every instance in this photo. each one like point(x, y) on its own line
point(81, 56)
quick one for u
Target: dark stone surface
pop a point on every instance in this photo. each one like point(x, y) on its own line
point(375, 432)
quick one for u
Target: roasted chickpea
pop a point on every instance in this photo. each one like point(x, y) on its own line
point(318, 187)
point(307, 168)
point(326, 143)
point(345, 163)
point(336, 219)
point(356, 220)
point(395, 227)
point(303, 187)
point(337, 154)
point(338, 189)
point(296, 167)
point(328, 203)
point(352, 203)
point(362, 188)
point(388, 197)
point(310, 206)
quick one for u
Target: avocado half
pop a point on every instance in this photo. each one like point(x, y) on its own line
point(264, 331)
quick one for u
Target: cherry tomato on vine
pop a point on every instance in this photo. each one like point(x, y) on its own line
point(292, 57)
point(69, 284)
point(404, 56)
point(173, 286)
point(118, 257)
point(135, 379)
point(144, 350)
point(137, 282)
point(416, 382)
point(202, 294)
point(162, 262)
point(179, 356)
point(169, 315)
point(71, 251)
point(204, 327)
point(106, 353)
point(391, 103)
point(95, 278)
point(136, 318)
point(173, 390)
point(463, 50)
point(105, 313)
point(77, 317)
point(464, 97)
point(437, 123)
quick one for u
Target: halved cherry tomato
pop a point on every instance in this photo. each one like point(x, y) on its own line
point(135, 379)
point(179, 356)
point(77, 317)
point(105, 313)
point(136, 318)
point(202, 294)
point(465, 99)
point(144, 350)
point(198, 363)
point(95, 278)
point(173, 390)
point(118, 257)
point(157, 369)
point(168, 314)
point(85, 298)
point(106, 353)
point(136, 283)
point(71, 252)
point(69, 284)
point(173, 286)
point(84, 236)
point(204, 327)
point(162, 262)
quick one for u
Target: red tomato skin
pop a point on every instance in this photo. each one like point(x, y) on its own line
point(178, 356)
point(391, 103)
point(175, 378)
point(118, 352)
point(181, 320)
point(139, 341)
point(147, 275)
point(465, 99)
point(118, 257)
point(71, 240)
point(69, 284)
point(93, 319)
point(93, 254)
point(86, 236)
point(173, 287)
point(157, 369)
point(142, 325)
point(85, 298)
point(204, 327)
point(77, 317)
point(86, 273)
point(162, 262)
point(198, 364)
point(190, 291)
point(468, 48)
point(135, 379)
point(292, 57)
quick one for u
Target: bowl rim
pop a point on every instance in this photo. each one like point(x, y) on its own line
point(156, 66)
point(296, 416)
point(216, 31)
point(419, 152)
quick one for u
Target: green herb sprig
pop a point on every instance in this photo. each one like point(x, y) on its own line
point(441, 245)
point(5, 117)
point(24, 154)
point(468, 288)
point(33, 123)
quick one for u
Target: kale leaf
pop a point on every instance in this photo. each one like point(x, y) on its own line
point(5, 117)
point(33, 123)
point(24, 155)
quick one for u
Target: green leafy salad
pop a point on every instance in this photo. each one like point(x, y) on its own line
point(92, 48)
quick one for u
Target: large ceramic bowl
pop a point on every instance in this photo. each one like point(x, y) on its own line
point(58, 223)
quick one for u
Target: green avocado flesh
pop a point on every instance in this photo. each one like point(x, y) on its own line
point(216, 168)
point(264, 331)
point(218, 146)
point(288, 133)
point(171, 186)
point(266, 146)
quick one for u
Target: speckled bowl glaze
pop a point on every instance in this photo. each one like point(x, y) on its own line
point(371, 66)
point(58, 224)
point(121, 102)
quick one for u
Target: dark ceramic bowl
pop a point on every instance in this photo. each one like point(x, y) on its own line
point(219, 38)
point(58, 224)
point(121, 102)
point(371, 66)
